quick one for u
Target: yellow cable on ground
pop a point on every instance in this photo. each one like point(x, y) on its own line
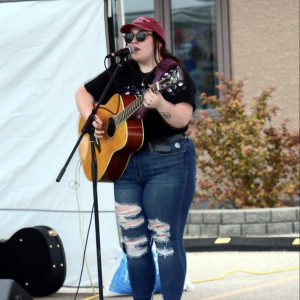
point(226, 274)
point(93, 297)
point(245, 271)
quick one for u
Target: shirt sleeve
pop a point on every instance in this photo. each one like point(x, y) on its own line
point(184, 93)
point(97, 85)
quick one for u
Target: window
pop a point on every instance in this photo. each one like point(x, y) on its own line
point(194, 41)
point(136, 8)
point(193, 30)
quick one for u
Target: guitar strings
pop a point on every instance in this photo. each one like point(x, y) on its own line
point(132, 107)
point(125, 114)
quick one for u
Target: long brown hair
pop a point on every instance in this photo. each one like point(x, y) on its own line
point(162, 50)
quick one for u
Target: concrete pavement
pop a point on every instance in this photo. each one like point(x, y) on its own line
point(232, 275)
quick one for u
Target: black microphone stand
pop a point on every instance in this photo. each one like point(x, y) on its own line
point(88, 128)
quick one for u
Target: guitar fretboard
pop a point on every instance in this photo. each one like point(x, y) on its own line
point(132, 108)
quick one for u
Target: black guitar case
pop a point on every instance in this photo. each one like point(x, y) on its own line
point(34, 257)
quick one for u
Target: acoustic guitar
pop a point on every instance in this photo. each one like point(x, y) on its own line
point(34, 257)
point(123, 131)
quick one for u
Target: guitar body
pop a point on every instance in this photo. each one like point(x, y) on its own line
point(34, 257)
point(124, 133)
point(118, 143)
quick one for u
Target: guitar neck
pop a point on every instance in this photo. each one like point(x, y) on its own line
point(134, 106)
point(167, 81)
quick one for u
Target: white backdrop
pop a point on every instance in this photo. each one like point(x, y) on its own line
point(47, 50)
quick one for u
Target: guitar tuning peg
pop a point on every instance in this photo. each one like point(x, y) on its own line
point(180, 83)
point(169, 90)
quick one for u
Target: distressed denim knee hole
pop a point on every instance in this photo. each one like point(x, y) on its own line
point(136, 247)
point(127, 216)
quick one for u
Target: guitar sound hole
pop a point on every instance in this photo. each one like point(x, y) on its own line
point(111, 128)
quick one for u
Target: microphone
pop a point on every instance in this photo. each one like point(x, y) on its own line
point(122, 52)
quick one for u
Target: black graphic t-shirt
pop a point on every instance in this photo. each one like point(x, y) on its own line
point(129, 80)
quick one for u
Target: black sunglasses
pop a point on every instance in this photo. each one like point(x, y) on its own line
point(140, 36)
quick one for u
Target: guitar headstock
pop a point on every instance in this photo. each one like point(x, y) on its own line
point(170, 81)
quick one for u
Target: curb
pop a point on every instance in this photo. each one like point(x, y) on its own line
point(242, 244)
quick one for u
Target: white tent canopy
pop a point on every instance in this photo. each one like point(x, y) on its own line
point(47, 50)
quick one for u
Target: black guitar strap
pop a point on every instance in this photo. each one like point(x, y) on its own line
point(162, 68)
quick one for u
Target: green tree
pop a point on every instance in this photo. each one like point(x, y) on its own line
point(243, 161)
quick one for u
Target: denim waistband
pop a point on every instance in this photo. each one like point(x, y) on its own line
point(163, 144)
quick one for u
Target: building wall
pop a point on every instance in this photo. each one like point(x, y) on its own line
point(264, 40)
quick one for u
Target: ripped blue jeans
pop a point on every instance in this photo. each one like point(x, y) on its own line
point(153, 198)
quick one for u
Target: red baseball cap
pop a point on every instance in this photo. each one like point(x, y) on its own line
point(145, 23)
